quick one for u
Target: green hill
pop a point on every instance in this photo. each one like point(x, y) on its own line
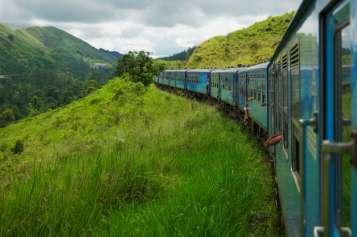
point(133, 161)
point(33, 48)
point(48, 68)
point(21, 52)
point(68, 50)
point(251, 45)
point(181, 56)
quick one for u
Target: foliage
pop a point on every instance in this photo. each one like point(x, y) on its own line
point(182, 56)
point(171, 64)
point(251, 45)
point(130, 160)
point(48, 68)
point(139, 66)
point(18, 148)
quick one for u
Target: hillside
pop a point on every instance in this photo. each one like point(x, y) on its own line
point(181, 56)
point(48, 68)
point(37, 48)
point(133, 161)
point(251, 45)
point(60, 43)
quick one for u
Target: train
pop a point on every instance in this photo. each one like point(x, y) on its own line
point(303, 102)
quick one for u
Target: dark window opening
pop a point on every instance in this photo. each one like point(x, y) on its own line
point(296, 156)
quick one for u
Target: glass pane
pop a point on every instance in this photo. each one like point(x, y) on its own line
point(344, 113)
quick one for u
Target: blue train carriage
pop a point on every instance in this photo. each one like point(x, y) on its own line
point(312, 114)
point(198, 81)
point(256, 78)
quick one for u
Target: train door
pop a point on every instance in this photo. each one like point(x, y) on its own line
point(338, 150)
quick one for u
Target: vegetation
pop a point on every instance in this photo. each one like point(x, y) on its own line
point(130, 160)
point(47, 68)
point(182, 56)
point(171, 64)
point(252, 45)
point(139, 66)
point(255, 44)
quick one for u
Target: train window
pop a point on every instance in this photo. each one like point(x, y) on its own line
point(277, 99)
point(254, 86)
point(343, 79)
point(295, 106)
point(285, 117)
point(296, 155)
point(263, 90)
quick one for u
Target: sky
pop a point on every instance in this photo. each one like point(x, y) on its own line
point(161, 27)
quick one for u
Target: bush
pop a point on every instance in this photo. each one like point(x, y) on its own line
point(18, 148)
point(139, 66)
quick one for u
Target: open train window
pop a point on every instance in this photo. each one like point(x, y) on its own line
point(284, 85)
point(295, 106)
point(278, 98)
point(263, 91)
point(296, 155)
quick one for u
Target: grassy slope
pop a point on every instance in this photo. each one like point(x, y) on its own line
point(252, 45)
point(20, 52)
point(133, 162)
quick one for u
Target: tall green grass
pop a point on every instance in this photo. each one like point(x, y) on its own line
point(251, 45)
point(130, 161)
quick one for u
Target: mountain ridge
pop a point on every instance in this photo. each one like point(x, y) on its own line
point(48, 67)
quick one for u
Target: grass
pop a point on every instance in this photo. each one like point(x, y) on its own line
point(134, 161)
point(251, 45)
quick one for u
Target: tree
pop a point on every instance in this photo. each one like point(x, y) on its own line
point(7, 115)
point(139, 66)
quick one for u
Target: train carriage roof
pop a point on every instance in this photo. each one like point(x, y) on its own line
point(181, 70)
point(258, 66)
point(199, 70)
point(228, 70)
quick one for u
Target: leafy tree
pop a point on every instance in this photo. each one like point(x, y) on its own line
point(6, 116)
point(139, 66)
point(11, 37)
point(91, 85)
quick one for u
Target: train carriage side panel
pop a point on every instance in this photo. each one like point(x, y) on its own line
point(293, 89)
point(242, 89)
point(198, 81)
point(215, 85)
point(228, 78)
point(180, 79)
point(257, 76)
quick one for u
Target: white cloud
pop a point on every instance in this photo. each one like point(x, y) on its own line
point(162, 27)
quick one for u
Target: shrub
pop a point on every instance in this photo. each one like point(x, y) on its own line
point(139, 66)
point(18, 148)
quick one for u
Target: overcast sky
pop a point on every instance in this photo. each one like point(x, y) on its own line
point(162, 27)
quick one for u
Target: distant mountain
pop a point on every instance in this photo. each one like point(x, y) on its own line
point(251, 45)
point(115, 54)
point(182, 56)
point(39, 48)
point(48, 67)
